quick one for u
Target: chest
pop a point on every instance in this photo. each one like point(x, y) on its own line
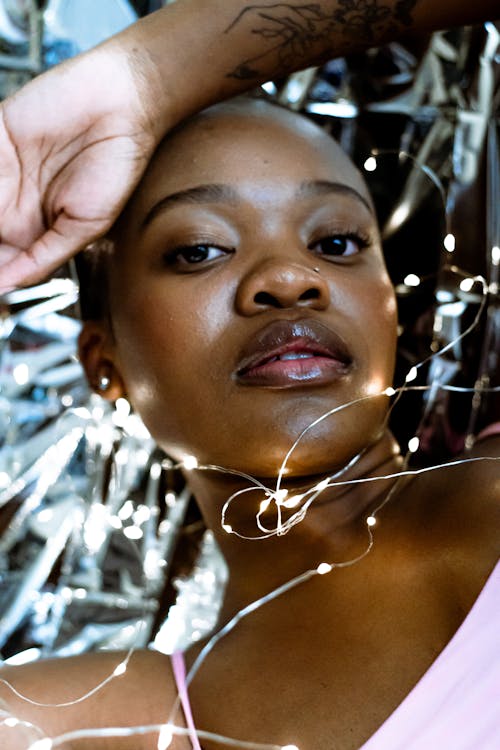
point(324, 674)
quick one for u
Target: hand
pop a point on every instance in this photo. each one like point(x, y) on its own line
point(73, 144)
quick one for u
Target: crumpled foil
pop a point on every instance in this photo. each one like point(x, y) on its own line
point(91, 518)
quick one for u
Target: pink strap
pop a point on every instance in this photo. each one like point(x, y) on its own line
point(491, 429)
point(179, 670)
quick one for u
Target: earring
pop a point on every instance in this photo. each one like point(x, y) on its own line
point(103, 383)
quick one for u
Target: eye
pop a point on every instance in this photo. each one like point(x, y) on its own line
point(194, 255)
point(339, 245)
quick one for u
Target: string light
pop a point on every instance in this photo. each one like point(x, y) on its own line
point(190, 462)
point(411, 375)
point(466, 284)
point(413, 444)
point(165, 737)
point(412, 280)
point(120, 669)
point(324, 568)
point(81, 734)
point(292, 502)
point(370, 164)
point(45, 744)
point(449, 243)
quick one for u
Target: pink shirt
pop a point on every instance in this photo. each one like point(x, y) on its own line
point(454, 706)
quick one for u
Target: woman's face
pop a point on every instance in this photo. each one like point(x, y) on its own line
point(249, 296)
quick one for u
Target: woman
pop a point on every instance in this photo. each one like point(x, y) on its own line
point(246, 297)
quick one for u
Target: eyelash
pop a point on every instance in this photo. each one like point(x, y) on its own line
point(361, 240)
point(174, 257)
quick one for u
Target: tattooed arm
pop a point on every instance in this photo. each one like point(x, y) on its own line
point(74, 142)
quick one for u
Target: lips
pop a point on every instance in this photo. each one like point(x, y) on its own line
point(287, 353)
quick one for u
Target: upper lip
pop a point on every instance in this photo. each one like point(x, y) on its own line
point(282, 336)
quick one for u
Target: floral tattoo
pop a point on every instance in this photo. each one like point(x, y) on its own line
point(292, 31)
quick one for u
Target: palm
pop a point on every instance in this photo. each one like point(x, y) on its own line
point(72, 148)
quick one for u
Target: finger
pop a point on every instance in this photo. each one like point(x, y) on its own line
point(56, 246)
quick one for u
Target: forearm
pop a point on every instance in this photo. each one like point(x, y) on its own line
point(196, 52)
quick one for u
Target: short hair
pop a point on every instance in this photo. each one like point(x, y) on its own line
point(92, 270)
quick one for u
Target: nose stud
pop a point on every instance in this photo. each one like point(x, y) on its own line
point(104, 383)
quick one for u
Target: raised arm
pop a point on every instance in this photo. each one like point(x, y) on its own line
point(74, 142)
point(143, 695)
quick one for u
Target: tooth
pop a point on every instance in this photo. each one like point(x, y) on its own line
point(296, 355)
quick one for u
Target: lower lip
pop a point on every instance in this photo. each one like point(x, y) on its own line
point(290, 373)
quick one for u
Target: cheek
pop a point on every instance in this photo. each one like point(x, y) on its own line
point(167, 344)
point(370, 305)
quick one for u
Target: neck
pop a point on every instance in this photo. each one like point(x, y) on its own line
point(334, 527)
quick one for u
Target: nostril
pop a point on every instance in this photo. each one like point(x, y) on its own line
point(309, 294)
point(264, 298)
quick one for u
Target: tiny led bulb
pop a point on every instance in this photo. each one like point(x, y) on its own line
point(165, 737)
point(467, 284)
point(45, 744)
point(370, 165)
point(120, 669)
point(323, 568)
point(390, 391)
point(289, 747)
point(281, 495)
point(413, 444)
point(371, 521)
point(411, 375)
point(265, 505)
point(11, 721)
point(190, 462)
point(449, 243)
point(292, 501)
point(227, 528)
point(412, 279)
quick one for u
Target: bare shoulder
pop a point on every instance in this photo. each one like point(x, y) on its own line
point(142, 695)
point(482, 478)
point(467, 487)
point(459, 516)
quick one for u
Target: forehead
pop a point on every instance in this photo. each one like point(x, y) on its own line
point(246, 148)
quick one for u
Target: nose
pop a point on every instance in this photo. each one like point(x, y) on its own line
point(279, 284)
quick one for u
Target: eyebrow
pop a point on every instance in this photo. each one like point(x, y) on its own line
point(324, 187)
point(215, 193)
point(200, 194)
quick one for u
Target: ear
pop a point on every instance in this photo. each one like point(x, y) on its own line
point(96, 353)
